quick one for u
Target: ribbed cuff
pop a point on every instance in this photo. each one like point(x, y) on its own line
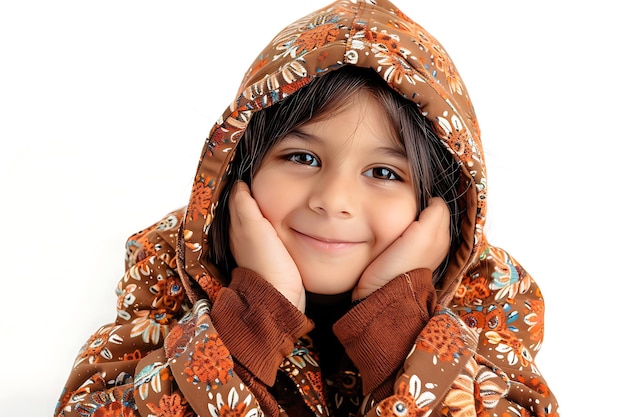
point(257, 323)
point(379, 332)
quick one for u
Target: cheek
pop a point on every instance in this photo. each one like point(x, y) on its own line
point(263, 196)
point(267, 190)
point(391, 220)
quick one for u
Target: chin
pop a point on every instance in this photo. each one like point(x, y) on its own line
point(328, 286)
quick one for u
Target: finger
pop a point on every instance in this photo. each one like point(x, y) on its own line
point(444, 225)
point(233, 199)
point(430, 220)
point(242, 205)
point(436, 211)
point(432, 228)
point(436, 217)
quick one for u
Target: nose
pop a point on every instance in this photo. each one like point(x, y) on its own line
point(334, 195)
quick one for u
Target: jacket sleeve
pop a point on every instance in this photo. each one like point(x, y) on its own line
point(260, 327)
point(379, 332)
point(162, 356)
point(150, 298)
point(476, 356)
point(221, 359)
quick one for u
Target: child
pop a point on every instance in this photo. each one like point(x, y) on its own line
point(331, 259)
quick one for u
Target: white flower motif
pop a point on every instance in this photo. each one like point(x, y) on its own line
point(233, 402)
point(168, 223)
point(421, 399)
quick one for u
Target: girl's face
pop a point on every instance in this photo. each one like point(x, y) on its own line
point(338, 191)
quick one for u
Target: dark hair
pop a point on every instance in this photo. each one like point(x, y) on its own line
point(434, 171)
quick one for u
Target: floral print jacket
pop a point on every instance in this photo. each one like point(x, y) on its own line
point(474, 352)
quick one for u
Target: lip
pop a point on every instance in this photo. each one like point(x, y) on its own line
point(325, 244)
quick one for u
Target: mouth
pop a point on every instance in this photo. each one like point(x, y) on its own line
point(325, 243)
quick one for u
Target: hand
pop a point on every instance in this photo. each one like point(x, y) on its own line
point(424, 244)
point(255, 245)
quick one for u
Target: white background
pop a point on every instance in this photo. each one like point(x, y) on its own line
point(104, 107)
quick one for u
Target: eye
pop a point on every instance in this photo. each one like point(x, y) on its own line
point(303, 158)
point(382, 173)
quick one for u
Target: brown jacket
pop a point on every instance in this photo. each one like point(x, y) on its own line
point(464, 348)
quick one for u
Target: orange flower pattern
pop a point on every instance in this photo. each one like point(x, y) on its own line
point(231, 408)
point(202, 192)
point(408, 401)
point(98, 346)
point(210, 362)
point(441, 337)
point(171, 406)
point(116, 402)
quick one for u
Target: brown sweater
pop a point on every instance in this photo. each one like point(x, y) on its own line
point(259, 326)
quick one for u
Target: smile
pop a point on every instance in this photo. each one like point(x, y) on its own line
point(325, 244)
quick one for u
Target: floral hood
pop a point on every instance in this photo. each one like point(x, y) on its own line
point(365, 33)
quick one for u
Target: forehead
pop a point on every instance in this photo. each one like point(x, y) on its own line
point(361, 113)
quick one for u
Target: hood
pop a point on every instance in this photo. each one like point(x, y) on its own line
point(372, 34)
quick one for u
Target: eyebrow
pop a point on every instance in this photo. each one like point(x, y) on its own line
point(392, 151)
